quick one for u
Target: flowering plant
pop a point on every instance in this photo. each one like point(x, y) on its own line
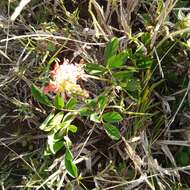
point(64, 79)
point(64, 83)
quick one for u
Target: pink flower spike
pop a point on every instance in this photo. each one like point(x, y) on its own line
point(65, 77)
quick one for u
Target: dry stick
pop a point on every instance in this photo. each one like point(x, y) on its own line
point(61, 181)
point(101, 19)
point(139, 181)
point(19, 8)
point(173, 142)
point(42, 36)
point(159, 63)
point(124, 21)
point(8, 27)
point(5, 55)
point(16, 13)
point(97, 26)
point(48, 179)
point(2, 186)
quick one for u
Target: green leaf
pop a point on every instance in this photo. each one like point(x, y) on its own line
point(91, 102)
point(123, 75)
point(144, 63)
point(111, 48)
point(95, 117)
point(54, 143)
point(184, 159)
point(54, 122)
point(71, 168)
point(64, 125)
point(44, 125)
point(73, 128)
point(146, 38)
point(102, 102)
point(70, 116)
point(57, 146)
point(57, 119)
point(132, 85)
point(68, 154)
point(47, 151)
point(71, 103)
point(95, 69)
point(117, 60)
point(112, 131)
point(59, 102)
point(69, 164)
point(85, 112)
point(112, 117)
point(40, 96)
point(68, 142)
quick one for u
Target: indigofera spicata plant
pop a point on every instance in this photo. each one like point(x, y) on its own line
point(107, 110)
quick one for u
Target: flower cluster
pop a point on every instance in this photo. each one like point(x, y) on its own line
point(64, 79)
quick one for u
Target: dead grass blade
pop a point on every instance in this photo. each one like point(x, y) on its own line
point(18, 9)
point(166, 9)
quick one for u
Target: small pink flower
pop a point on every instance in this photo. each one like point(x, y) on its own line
point(50, 88)
point(65, 77)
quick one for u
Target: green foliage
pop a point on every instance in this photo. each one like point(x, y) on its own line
point(85, 112)
point(95, 117)
point(183, 156)
point(52, 121)
point(112, 117)
point(112, 131)
point(117, 61)
point(69, 164)
point(59, 102)
point(144, 62)
point(132, 85)
point(40, 96)
point(123, 75)
point(71, 103)
point(134, 90)
point(111, 49)
point(58, 126)
point(54, 144)
point(95, 69)
point(72, 128)
point(102, 102)
point(44, 125)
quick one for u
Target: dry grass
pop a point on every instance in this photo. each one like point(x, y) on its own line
point(153, 152)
